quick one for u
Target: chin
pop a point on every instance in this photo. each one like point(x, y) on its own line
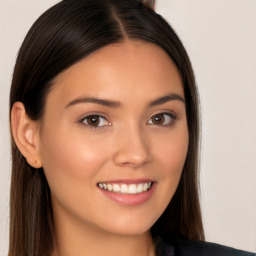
point(131, 226)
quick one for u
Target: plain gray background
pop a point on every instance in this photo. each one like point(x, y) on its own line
point(220, 37)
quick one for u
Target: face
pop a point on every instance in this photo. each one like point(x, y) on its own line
point(114, 138)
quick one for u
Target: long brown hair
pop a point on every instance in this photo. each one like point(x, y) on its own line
point(62, 36)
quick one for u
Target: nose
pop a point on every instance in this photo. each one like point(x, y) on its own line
point(133, 148)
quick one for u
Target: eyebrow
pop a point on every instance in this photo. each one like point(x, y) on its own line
point(165, 99)
point(116, 104)
point(107, 103)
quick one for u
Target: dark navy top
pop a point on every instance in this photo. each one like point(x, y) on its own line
point(197, 248)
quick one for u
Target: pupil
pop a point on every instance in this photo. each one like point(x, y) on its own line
point(93, 120)
point(159, 119)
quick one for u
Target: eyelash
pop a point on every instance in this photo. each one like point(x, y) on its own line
point(100, 117)
point(172, 117)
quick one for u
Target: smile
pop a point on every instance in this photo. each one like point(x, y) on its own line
point(126, 188)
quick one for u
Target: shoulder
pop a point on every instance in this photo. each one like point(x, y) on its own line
point(200, 248)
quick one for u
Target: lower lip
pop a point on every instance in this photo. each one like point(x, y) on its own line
point(130, 199)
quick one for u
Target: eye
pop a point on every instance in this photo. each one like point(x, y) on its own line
point(95, 121)
point(162, 119)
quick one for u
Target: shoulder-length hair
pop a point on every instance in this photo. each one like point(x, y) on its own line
point(65, 34)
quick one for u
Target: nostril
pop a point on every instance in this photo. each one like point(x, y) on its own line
point(126, 159)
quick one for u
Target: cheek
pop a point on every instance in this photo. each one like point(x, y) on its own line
point(171, 158)
point(172, 151)
point(70, 161)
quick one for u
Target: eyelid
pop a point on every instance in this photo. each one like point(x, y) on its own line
point(93, 113)
point(84, 117)
point(172, 115)
point(169, 113)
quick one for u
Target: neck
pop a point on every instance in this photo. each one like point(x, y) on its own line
point(73, 238)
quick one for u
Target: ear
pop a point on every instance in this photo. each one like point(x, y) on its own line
point(26, 135)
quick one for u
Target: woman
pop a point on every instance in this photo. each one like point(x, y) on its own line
point(105, 126)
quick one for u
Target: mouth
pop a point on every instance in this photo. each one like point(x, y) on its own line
point(125, 188)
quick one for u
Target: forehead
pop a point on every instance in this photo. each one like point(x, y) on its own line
point(129, 68)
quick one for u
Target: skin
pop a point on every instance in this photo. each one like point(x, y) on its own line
point(130, 143)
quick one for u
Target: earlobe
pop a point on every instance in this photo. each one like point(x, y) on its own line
point(25, 134)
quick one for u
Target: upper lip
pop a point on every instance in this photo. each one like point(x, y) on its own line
point(128, 181)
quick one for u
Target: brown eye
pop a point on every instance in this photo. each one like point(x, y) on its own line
point(95, 121)
point(158, 119)
point(162, 119)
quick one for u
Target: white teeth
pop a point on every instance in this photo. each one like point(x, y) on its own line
point(132, 189)
point(109, 186)
point(126, 188)
point(140, 188)
point(145, 187)
point(116, 188)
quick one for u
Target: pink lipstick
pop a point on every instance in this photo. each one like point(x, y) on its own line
point(128, 192)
